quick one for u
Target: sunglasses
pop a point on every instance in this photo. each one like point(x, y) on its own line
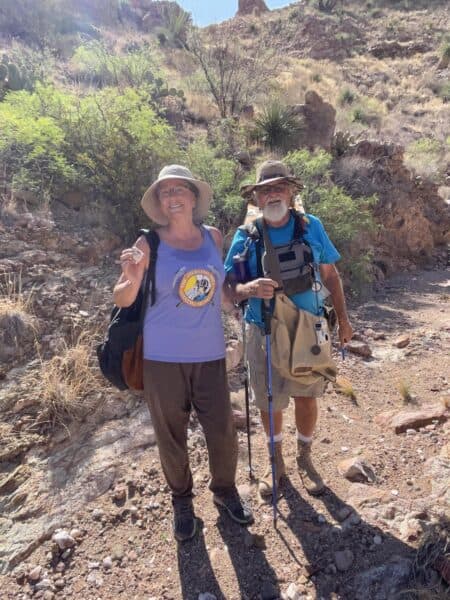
point(177, 190)
point(274, 189)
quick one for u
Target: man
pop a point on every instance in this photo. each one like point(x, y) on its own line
point(273, 193)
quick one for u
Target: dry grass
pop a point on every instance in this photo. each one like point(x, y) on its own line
point(13, 300)
point(201, 105)
point(404, 389)
point(434, 547)
point(345, 387)
point(301, 75)
point(68, 385)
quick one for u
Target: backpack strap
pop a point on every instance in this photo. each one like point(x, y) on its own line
point(254, 232)
point(152, 238)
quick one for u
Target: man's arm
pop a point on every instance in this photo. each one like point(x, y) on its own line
point(262, 287)
point(332, 281)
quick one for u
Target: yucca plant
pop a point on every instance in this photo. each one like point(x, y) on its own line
point(277, 126)
point(176, 24)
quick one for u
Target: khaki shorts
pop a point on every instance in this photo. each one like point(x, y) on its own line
point(282, 389)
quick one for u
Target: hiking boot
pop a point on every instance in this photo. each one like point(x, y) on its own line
point(184, 521)
point(265, 482)
point(235, 507)
point(311, 479)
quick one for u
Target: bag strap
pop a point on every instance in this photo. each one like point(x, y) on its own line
point(271, 266)
point(152, 238)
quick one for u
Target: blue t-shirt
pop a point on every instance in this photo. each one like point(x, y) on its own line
point(323, 251)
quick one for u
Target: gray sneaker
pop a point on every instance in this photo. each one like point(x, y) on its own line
point(235, 507)
point(184, 521)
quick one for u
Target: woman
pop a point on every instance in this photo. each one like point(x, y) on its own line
point(184, 347)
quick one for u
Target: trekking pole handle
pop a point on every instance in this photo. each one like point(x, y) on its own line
point(267, 317)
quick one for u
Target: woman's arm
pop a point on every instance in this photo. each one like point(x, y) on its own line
point(127, 288)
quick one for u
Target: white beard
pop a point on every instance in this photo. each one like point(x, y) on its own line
point(275, 212)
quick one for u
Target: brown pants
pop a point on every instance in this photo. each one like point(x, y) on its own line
point(170, 390)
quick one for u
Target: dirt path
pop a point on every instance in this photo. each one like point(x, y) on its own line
point(345, 544)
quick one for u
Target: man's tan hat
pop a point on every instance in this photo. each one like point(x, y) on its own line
point(270, 172)
point(150, 202)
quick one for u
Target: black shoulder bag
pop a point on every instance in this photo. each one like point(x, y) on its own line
point(120, 355)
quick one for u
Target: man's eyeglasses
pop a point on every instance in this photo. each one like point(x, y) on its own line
point(274, 189)
point(177, 190)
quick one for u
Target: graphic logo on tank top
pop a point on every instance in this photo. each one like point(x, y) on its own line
point(197, 287)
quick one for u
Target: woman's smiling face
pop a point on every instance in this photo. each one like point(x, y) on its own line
point(176, 198)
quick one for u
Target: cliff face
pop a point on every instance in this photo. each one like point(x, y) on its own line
point(251, 7)
point(413, 219)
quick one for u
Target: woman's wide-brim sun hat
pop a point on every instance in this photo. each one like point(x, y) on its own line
point(269, 173)
point(152, 207)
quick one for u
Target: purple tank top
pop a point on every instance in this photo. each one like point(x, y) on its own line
point(185, 324)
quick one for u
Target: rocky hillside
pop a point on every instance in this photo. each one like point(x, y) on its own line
point(84, 506)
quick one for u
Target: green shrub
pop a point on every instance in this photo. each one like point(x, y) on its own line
point(227, 206)
point(445, 53)
point(360, 116)
point(347, 96)
point(444, 91)
point(426, 157)
point(109, 144)
point(33, 148)
point(33, 65)
point(313, 168)
point(93, 63)
point(277, 127)
point(347, 220)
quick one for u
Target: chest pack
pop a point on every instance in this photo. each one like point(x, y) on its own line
point(291, 265)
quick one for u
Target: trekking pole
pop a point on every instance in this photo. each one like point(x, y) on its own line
point(267, 331)
point(247, 402)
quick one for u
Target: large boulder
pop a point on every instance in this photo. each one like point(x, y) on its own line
point(251, 7)
point(414, 218)
point(17, 334)
point(319, 122)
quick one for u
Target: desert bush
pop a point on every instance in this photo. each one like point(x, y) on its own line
point(355, 175)
point(109, 144)
point(233, 75)
point(67, 386)
point(223, 176)
point(33, 65)
point(347, 220)
point(326, 6)
point(277, 127)
point(347, 96)
point(33, 148)
point(445, 51)
point(313, 168)
point(444, 91)
point(94, 63)
point(227, 136)
point(424, 157)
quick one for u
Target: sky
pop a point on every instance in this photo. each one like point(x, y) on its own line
point(205, 12)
